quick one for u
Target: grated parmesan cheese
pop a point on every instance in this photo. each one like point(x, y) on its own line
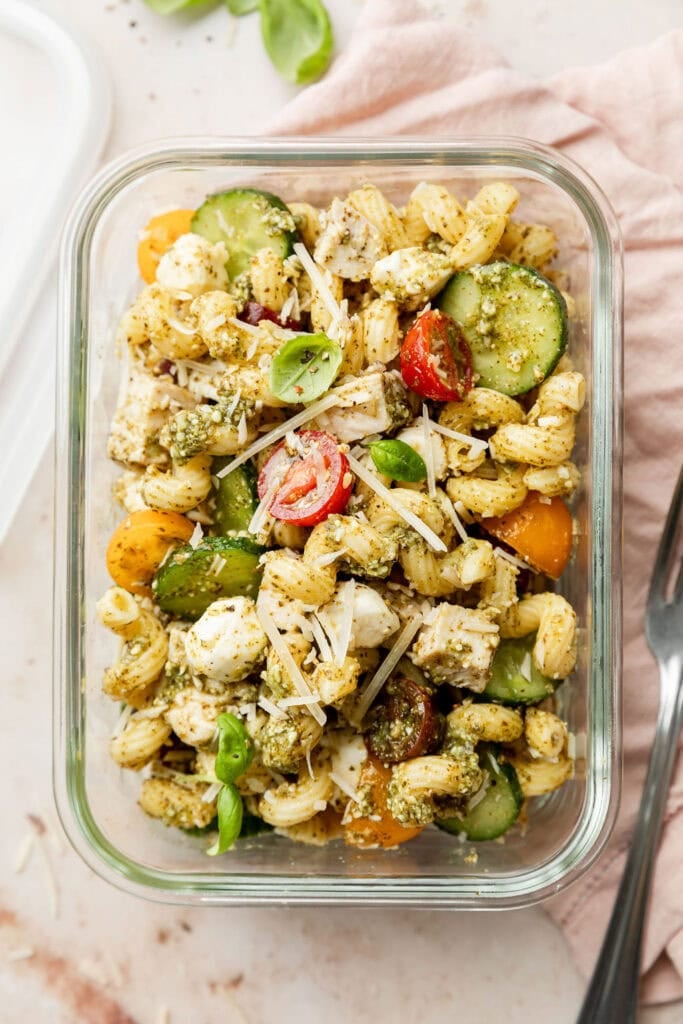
point(293, 702)
point(215, 323)
point(212, 792)
point(371, 480)
point(347, 592)
point(181, 328)
point(261, 511)
point(320, 805)
point(342, 784)
point(370, 691)
point(242, 431)
point(321, 639)
point(318, 281)
point(429, 451)
point(285, 656)
point(278, 432)
point(197, 536)
point(476, 444)
point(270, 708)
point(454, 518)
point(501, 553)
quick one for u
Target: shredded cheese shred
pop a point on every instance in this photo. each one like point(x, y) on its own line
point(403, 642)
point(378, 487)
point(285, 656)
point(277, 433)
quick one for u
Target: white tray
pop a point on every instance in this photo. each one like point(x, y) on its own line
point(54, 120)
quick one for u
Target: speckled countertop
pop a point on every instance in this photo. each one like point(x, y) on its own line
point(77, 951)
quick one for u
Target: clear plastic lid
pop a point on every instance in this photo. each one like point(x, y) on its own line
point(54, 120)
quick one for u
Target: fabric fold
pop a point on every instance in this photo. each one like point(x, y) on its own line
point(408, 72)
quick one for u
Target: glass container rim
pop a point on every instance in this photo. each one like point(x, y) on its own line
point(505, 890)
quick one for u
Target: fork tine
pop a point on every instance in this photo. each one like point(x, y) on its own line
point(667, 545)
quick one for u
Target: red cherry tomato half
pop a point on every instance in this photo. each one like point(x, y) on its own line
point(436, 361)
point(310, 482)
point(253, 313)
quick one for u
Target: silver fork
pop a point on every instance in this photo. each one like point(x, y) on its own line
point(612, 996)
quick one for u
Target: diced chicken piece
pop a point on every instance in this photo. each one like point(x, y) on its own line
point(415, 437)
point(147, 406)
point(193, 265)
point(227, 642)
point(349, 244)
point(411, 276)
point(373, 621)
point(456, 645)
point(374, 404)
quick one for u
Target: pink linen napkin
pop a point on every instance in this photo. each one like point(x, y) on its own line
point(406, 71)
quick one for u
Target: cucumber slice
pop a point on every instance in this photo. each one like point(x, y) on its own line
point(187, 583)
point(515, 323)
point(514, 677)
point(247, 220)
point(499, 808)
point(236, 497)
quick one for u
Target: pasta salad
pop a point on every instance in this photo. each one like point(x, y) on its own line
point(346, 442)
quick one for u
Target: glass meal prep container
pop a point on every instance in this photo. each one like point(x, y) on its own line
point(97, 802)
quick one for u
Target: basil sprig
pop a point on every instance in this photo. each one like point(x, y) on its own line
point(235, 748)
point(235, 754)
point(398, 460)
point(230, 811)
point(297, 35)
point(304, 368)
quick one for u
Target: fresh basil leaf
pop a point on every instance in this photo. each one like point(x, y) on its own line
point(252, 825)
point(304, 368)
point(240, 7)
point(235, 748)
point(172, 6)
point(230, 811)
point(398, 460)
point(297, 35)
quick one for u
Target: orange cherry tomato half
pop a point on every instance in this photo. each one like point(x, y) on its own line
point(310, 483)
point(158, 237)
point(436, 361)
point(540, 530)
point(381, 829)
point(139, 545)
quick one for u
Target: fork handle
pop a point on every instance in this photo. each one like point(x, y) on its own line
point(613, 991)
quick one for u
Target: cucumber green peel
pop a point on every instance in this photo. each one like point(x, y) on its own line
point(236, 498)
point(514, 321)
point(246, 220)
point(499, 808)
point(514, 676)
point(191, 579)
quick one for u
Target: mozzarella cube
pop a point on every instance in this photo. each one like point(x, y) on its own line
point(193, 265)
point(373, 620)
point(227, 642)
point(456, 645)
